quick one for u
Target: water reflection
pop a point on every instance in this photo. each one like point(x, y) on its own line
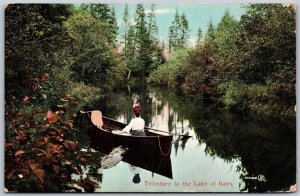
point(135, 157)
point(113, 158)
point(265, 147)
point(136, 174)
point(227, 146)
point(88, 177)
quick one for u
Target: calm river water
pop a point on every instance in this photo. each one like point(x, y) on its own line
point(228, 152)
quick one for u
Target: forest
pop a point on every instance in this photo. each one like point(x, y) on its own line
point(248, 65)
point(59, 58)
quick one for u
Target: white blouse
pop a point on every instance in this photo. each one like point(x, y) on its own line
point(136, 123)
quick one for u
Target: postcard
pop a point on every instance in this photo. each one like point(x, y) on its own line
point(159, 98)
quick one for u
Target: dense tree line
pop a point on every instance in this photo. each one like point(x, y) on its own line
point(77, 44)
point(53, 41)
point(249, 64)
point(140, 39)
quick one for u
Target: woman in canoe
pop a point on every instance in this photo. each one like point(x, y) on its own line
point(137, 124)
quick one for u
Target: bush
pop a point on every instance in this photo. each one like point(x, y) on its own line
point(83, 92)
point(174, 71)
point(241, 94)
point(254, 98)
point(117, 74)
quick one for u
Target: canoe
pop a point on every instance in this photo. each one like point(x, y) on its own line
point(150, 152)
point(140, 158)
point(154, 143)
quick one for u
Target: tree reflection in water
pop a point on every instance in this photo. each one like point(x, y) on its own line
point(89, 176)
point(265, 147)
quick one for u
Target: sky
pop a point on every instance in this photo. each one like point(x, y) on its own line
point(197, 14)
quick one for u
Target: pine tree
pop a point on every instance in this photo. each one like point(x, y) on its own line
point(113, 25)
point(125, 28)
point(142, 40)
point(160, 55)
point(174, 32)
point(156, 52)
point(210, 35)
point(152, 26)
point(184, 31)
point(178, 32)
point(199, 37)
point(130, 49)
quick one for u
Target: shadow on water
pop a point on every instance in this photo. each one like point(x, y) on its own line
point(266, 148)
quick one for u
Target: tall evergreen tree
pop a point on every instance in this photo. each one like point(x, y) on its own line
point(125, 28)
point(152, 26)
point(210, 34)
point(184, 31)
point(178, 32)
point(174, 31)
point(113, 24)
point(99, 11)
point(142, 40)
point(199, 37)
point(131, 52)
point(156, 50)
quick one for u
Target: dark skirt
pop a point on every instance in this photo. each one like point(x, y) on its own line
point(137, 133)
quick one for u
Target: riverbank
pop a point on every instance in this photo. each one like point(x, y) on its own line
point(253, 76)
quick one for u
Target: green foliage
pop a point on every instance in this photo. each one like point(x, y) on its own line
point(92, 50)
point(239, 95)
point(38, 143)
point(267, 41)
point(60, 82)
point(142, 40)
point(40, 55)
point(210, 34)
point(31, 45)
point(247, 64)
point(203, 79)
point(178, 32)
point(57, 85)
point(199, 37)
point(105, 14)
point(41, 153)
point(226, 35)
point(125, 26)
point(84, 93)
point(155, 50)
point(184, 29)
point(269, 54)
point(173, 72)
point(127, 33)
point(141, 45)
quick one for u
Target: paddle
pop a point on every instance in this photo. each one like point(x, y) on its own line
point(183, 136)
